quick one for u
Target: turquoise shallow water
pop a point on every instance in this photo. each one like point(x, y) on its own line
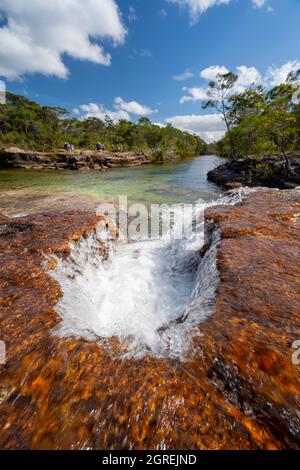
point(185, 181)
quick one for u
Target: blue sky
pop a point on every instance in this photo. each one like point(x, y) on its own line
point(161, 53)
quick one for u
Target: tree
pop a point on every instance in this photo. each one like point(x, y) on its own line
point(219, 93)
point(281, 121)
point(250, 102)
point(25, 124)
point(109, 124)
point(144, 121)
point(264, 121)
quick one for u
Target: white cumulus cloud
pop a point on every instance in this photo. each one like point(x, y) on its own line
point(211, 73)
point(247, 76)
point(278, 75)
point(133, 107)
point(99, 111)
point(194, 94)
point(122, 110)
point(197, 7)
point(37, 33)
point(209, 127)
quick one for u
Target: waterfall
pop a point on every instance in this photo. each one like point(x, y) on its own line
point(150, 294)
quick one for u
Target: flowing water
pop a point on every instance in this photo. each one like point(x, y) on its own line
point(150, 294)
point(135, 362)
point(139, 295)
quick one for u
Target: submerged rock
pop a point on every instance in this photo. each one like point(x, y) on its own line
point(238, 387)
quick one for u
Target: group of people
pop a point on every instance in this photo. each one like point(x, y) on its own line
point(69, 147)
point(114, 148)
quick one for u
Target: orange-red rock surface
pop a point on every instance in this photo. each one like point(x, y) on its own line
point(238, 390)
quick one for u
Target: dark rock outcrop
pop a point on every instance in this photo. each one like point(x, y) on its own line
point(267, 172)
point(238, 389)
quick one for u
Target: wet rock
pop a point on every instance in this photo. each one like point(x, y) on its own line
point(13, 228)
point(248, 341)
point(237, 389)
point(204, 250)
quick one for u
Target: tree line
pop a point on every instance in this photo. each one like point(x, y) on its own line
point(259, 121)
point(25, 124)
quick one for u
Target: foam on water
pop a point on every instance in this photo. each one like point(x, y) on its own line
point(149, 294)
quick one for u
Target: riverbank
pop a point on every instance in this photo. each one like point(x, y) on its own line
point(63, 160)
point(265, 172)
point(79, 160)
point(237, 389)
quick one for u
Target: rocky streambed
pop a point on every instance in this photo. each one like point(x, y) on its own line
point(238, 387)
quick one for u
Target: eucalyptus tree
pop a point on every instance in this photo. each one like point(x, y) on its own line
point(281, 120)
point(219, 92)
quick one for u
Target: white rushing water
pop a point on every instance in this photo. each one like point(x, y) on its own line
point(151, 294)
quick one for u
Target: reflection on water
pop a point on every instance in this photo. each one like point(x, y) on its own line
point(185, 181)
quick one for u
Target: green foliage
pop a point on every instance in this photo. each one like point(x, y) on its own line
point(263, 122)
point(259, 122)
point(25, 124)
point(218, 94)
